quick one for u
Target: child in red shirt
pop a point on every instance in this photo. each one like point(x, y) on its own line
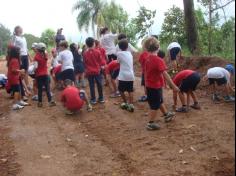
point(155, 76)
point(41, 74)
point(187, 81)
point(73, 99)
point(113, 70)
point(93, 66)
point(13, 75)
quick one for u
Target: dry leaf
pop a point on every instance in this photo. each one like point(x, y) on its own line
point(193, 149)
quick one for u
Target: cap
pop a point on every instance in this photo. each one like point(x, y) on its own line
point(34, 45)
point(230, 68)
point(41, 46)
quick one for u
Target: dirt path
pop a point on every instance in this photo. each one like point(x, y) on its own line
point(112, 142)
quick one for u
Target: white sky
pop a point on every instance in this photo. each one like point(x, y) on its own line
point(36, 16)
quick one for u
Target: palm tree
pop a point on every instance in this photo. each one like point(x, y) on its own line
point(90, 12)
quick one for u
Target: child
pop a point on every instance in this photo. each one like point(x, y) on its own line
point(126, 75)
point(66, 59)
point(187, 81)
point(108, 43)
point(41, 74)
point(131, 48)
point(221, 76)
point(13, 75)
point(73, 99)
point(78, 65)
point(93, 66)
point(155, 73)
point(174, 51)
point(113, 70)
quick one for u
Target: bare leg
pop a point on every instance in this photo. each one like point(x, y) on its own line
point(188, 99)
point(182, 99)
point(163, 109)
point(194, 97)
point(131, 97)
point(17, 97)
point(152, 115)
point(123, 97)
point(113, 82)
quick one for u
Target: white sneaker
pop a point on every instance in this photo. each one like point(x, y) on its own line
point(22, 103)
point(17, 107)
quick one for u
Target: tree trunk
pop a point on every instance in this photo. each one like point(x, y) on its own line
point(191, 26)
point(210, 29)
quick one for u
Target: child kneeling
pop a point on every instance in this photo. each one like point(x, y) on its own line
point(73, 99)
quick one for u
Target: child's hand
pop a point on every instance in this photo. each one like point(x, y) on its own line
point(175, 88)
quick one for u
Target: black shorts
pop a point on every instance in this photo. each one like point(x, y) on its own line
point(126, 86)
point(174, 53)
point(111, 57)
point(143, 80)
point(219, 81)
point(15, 88)
point(115, 74)
point(24, 62)
point(190, 83)
point(155, 98)
point(68, 74)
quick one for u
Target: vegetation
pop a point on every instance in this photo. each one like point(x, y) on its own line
point(5, 36)
point(48, 37)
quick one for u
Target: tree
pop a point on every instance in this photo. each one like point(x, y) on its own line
point(191, 26)
point(89, 13)
point(173, 26)
point(48, 37)
point(31, 39)
point(5, 36)
point(144, 21)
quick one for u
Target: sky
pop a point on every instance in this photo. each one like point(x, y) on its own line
point(36, 16)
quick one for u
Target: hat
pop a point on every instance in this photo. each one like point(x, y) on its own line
point(34, 45)
point(41, 46)
point(230, 68)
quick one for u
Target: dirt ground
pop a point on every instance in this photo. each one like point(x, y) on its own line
point(112, 142)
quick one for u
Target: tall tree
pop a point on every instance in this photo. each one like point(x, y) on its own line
point(191, 26)
point(5, 36)
point(47, 37)
point(89, 13)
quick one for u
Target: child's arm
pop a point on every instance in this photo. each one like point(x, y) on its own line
point(170, 82)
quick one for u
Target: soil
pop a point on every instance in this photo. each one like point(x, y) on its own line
point(113, 142)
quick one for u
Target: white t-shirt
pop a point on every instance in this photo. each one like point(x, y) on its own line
point(173, 45)
point(20, 41)
point(108, 43)
point(66, 59)
point(125, 59)
point(217, 73)
point(131, 48)
point(54, 62)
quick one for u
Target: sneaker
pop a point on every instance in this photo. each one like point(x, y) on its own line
point(143, 99)
point(229, 99)
point(124, 106)
point(215, 97)
point(17, 107)
point(89, 108)
point(93, 102)
point(102, 101)
point(182, 109)
point(52, 103)
point(196, 106)
point(68, 112)
point(169, 116)
point(153, 126)
point(40, 105)
point(22, 103)
point(35, 98)
point(130, 108)
point(115, 95)
point(25, 98)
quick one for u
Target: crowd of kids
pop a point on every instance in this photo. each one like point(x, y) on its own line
point(108, 61)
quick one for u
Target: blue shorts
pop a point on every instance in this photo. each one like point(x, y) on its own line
point(24, 62)
point(155, 98)
point(115, 74)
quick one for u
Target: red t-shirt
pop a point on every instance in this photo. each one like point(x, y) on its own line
point(13, 76)
point(57, 69)
point(142, 60)
point(112, 66)
point(42, 69)
point(154, 69)
point(182, 76)
point(92, 62)
point(71, 99)
point(103, 55)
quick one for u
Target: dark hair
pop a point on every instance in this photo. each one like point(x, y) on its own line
point(90, 42)
point(151, 44)
point(122, 36)
point(155, 36)
point(63, 44)
point(123, 44)
point(103, 30)
point(161, 54)
point(43, 53)
point(68, 82)
point(73, 47)
point(15, 29)
point(13, 52)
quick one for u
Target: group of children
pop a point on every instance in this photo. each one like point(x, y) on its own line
point(104, 62)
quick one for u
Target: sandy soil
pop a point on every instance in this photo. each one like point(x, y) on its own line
point(113, 142)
